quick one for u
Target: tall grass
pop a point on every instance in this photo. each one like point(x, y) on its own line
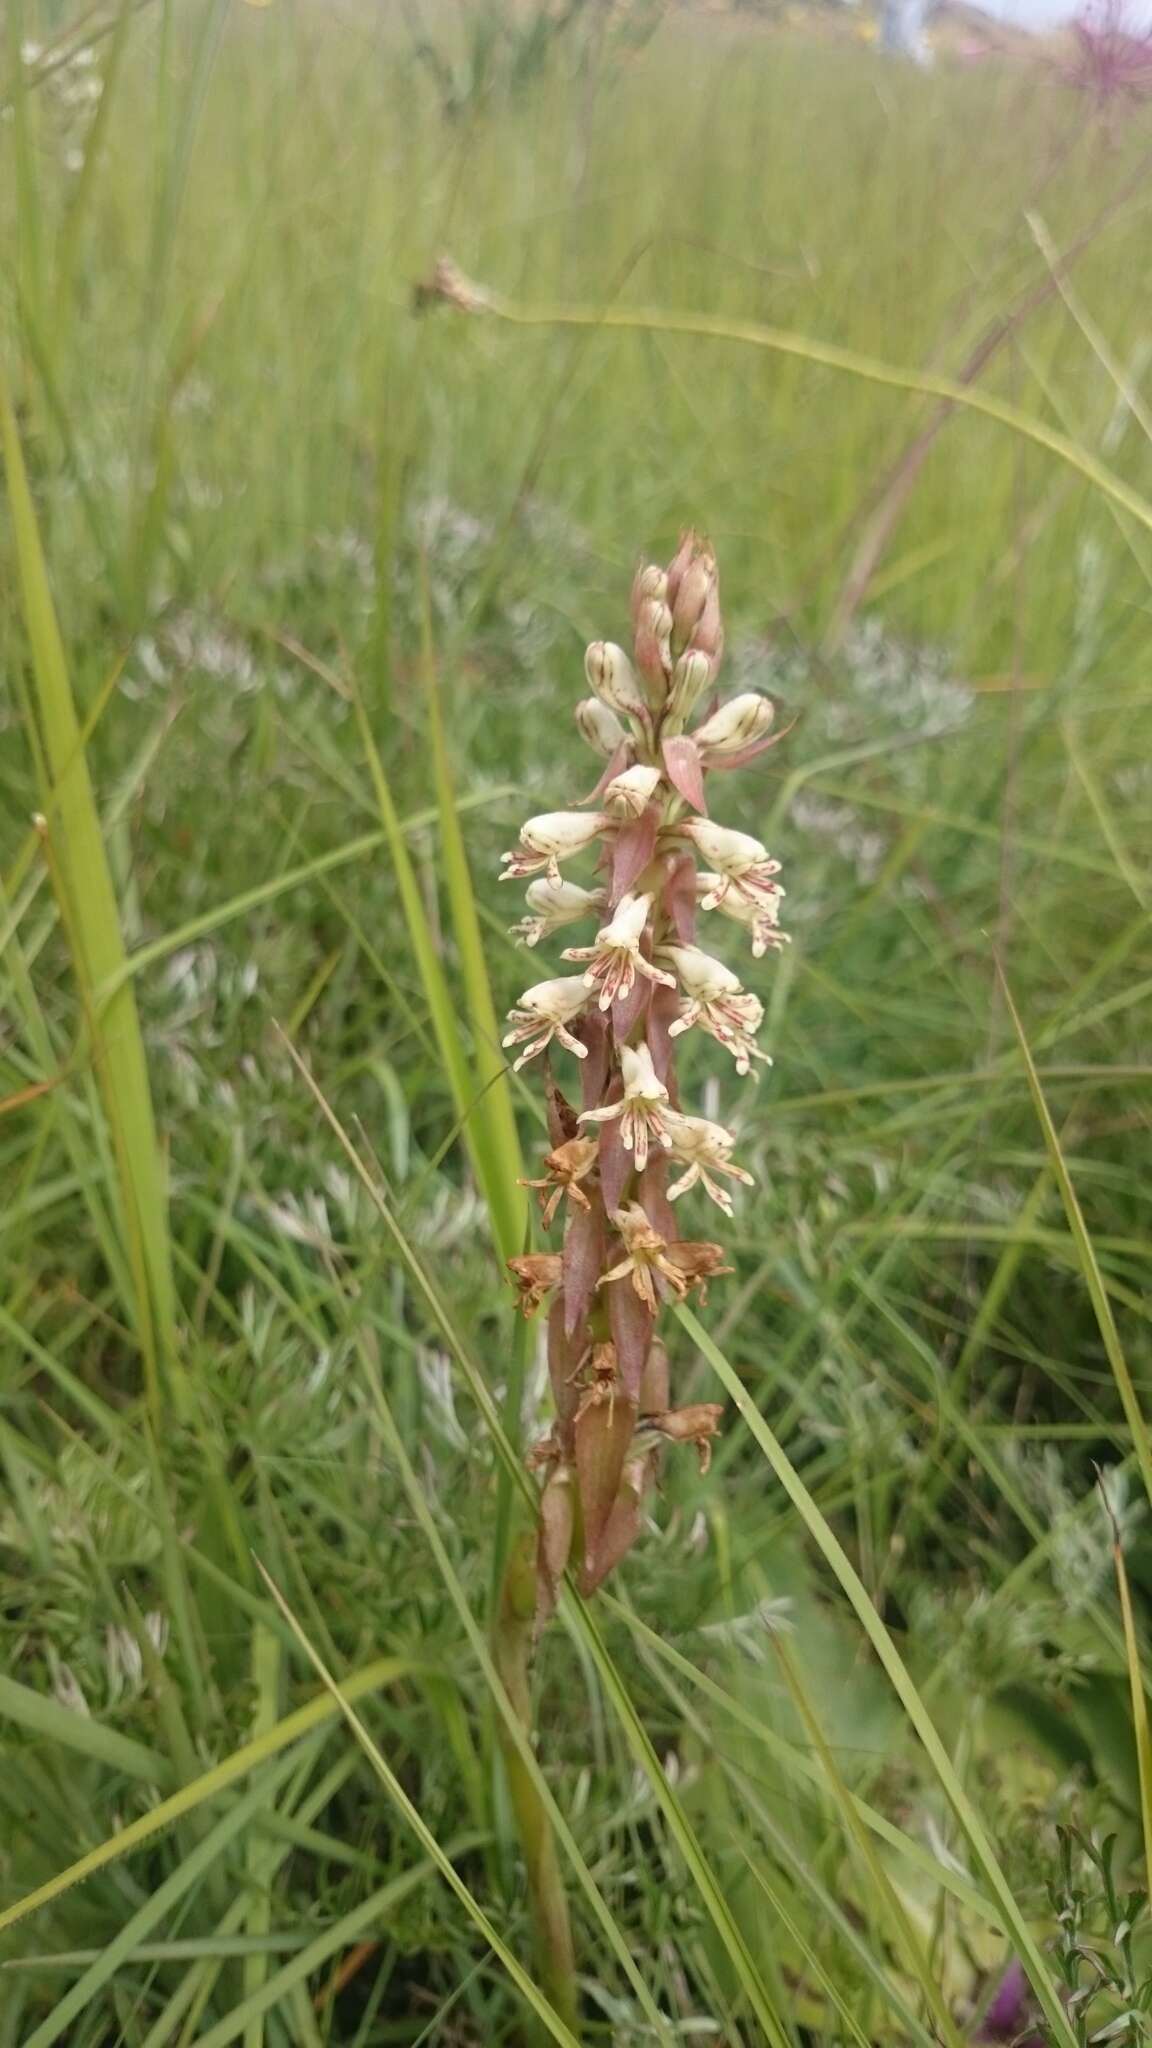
point(298, 584)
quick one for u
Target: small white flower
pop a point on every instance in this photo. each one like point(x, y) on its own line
point(553, 904)
point(615, 960)
point(611, 675)
point(745, 869)
point(629, 795)
point(736, 725)
point(705, 1149)
point(643, 1108)
point(600, 726)
point(552, 837)
point(543, 1013)
point(690, 678)
point(760, 919)
point(718, 1003)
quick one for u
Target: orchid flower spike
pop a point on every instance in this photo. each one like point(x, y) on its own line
point(643, 982)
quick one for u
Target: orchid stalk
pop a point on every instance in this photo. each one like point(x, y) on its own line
point(625, 1148)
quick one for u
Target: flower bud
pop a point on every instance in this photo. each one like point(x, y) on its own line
point(731, 852)
point(648, 582)
point(737, 724)
point(599, 725)
point(611, 675)
point(557, 1000)
point(696, 594)
point(628, 795)
point(653, 654)
point(685, 552)
point(690, 678)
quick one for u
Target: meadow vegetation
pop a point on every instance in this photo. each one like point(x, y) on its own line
point(299, 569)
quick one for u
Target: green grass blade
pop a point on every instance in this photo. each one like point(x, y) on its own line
point(897, 1673)
point(1139, 1700)
point(195, 1865)
point(528, 1990)
point(494, 1118)
point(466, 1089)
point(80, 1734)
point(385, 1671)
point(1093, 1279)
point(94, 932)
point(680, 1827)
point(852, 363)
point(372, 1913)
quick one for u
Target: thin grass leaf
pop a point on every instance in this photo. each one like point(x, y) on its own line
point(776, 2030)
point(897, 1672)
point(1093, 1278)
point(493, 1117)
point(192, 1868)
point(826, 355)
point(1136, 1685)
point(881, 1890)
point(93, 925)
point(384, 1671)
point(81, 1735)
point(528, 1990)
point(466, 1089)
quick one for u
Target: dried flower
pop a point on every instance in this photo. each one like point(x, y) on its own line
point(645, 983)
point(696, 1425)
point(535, 1274)
point(567, 1166)
point(544, 1013)
point(648, 1257)
point(615, 960)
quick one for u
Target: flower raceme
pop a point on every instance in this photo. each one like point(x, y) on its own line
point(644, 983)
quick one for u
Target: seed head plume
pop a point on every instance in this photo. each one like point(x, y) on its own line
point(629, 1149)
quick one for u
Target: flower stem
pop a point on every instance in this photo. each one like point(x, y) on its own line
point(512, 1651)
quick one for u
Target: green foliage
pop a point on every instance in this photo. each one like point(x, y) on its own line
point(298, 584)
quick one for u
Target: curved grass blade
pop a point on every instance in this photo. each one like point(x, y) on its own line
point(828, 356)
point(1093, 1278)
point(384, 1671)
point(92, 921)
point(523, 1982)
point(899, 1677)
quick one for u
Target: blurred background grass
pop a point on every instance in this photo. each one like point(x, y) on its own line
point(253, 467)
